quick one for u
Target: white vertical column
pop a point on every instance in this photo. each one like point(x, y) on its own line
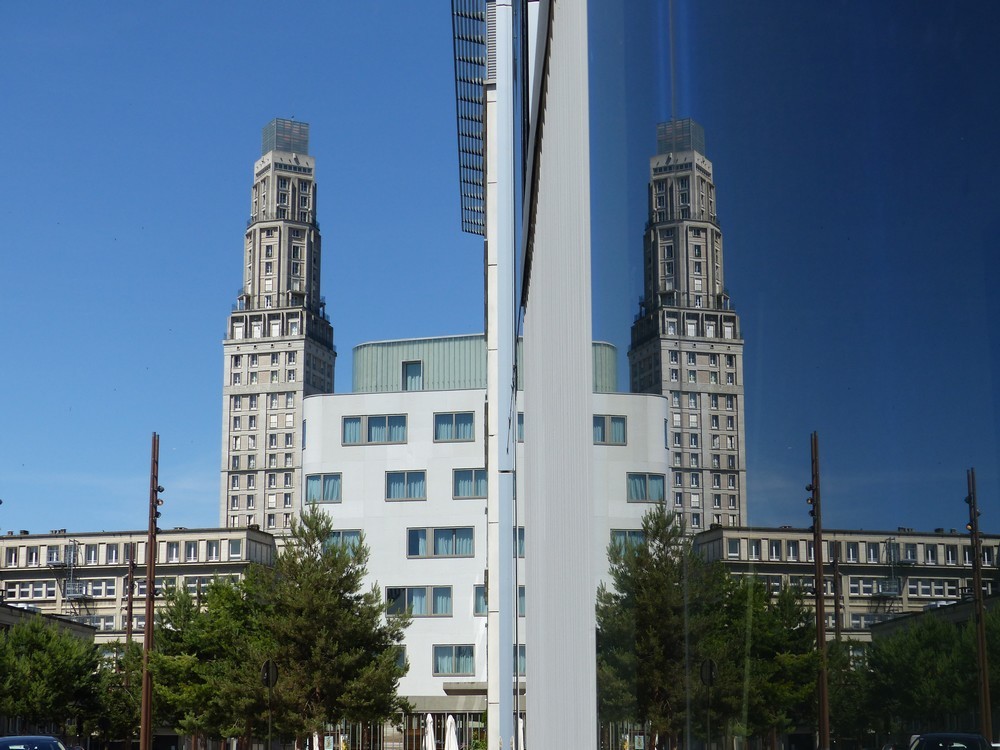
point(558, 388)
point(500, 312)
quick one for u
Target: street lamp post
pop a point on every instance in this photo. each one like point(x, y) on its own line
point(985, 711)
point(820, 592)
point(146, 711)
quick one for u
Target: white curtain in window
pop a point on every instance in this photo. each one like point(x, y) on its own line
point(444, 542)
point(636, 487)
point(444, 661)
point(395, 485)
point(376, 430)
point(397, 429)
point(352, 430)
point(464, 661)
point(443, 424)
point(331, 488)
point(599, 431)
point(416, 484)
point(414, 376)
point(617, 430)
point(313, 483)
point(463, 426)
point(463, 542)
point(417, 543)
point(417, 601)
point(470, 483)
point(442, 600)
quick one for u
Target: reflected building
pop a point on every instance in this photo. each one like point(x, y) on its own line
point(279, 341)
point(686, 339)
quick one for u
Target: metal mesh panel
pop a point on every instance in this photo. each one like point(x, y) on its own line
point(470, 41)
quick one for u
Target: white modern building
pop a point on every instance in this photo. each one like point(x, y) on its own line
point(403, 461)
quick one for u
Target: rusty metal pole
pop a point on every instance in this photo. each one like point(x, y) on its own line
point(146, 715)
point(819, 586)
point(985, 710)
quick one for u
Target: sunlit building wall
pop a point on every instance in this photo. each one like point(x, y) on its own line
point(686, 340)
point(279, 342)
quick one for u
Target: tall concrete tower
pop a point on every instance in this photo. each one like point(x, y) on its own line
point(279, 342)
point(686, 340)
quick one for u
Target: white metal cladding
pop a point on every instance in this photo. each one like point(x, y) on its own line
point(558, 361)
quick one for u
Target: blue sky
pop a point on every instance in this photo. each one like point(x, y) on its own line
point(855, 154)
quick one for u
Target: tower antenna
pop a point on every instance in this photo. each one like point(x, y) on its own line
point(673, 79)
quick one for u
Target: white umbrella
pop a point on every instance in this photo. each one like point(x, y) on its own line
point(429, 733)
point(450, 734)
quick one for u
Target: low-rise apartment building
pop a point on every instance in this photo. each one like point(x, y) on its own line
point(85, 576)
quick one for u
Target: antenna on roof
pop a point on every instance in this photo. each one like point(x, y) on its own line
point(673, 77)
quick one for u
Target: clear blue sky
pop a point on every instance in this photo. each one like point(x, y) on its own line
point(855, 154)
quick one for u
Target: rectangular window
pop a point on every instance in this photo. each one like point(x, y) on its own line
point(375, 429)
point(609, 430)
point(406, 485)
point(519, 541)
point(235, 549)
point(173, 552)
point(479, 601)
point(443, 542)
point(322, 488)
point(110, 554)
point(469, 483)
point(627, 537)
point(645, 488)
point(733, 551)
point(212, 550)
point(191, 551)
point(345, 538)
point(413, 376)
point(453, 427)
point(419, 601)
point(454, 660)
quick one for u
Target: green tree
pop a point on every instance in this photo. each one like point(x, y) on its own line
point(918, 677)
point(47, 675)
point(850, 691)
point(337, 651)
point(120, 693)
point(668, 612)
point(641, 623)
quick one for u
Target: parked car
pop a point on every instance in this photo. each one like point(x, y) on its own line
point(31, 742)
point(948, 741)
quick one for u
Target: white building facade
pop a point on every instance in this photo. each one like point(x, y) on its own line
point(407, 468)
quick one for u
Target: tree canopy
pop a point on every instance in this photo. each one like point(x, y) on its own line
point(337, 653)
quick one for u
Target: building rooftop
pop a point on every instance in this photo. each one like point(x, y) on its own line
point(680, 135)
point(285, 135)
